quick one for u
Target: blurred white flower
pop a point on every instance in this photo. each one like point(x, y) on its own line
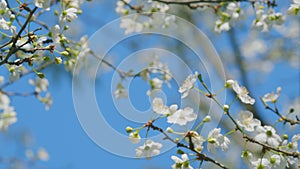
point(182, 116)
point(41, 85)
point(2, 79)
point(148, 150)
point(267, 134)
point(245, 119)
point(42, 154)
point(221, 26)
point(182, 163)
point(7, 117)
point(130, 25)
point(42, 4)
point(188, 84)
point(4, 101)
point(121, 92)
point(294, 8)
point(3, 24)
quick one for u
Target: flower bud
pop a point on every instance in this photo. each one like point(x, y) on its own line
point(129, 129)
point(228, 83)
point(169, 130)
point(206, 119)
point(64, 53)
point(58, 60)
point(226, 108)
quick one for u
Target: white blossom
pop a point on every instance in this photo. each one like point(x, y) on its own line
point(41, 85)
point(188, 84)
point(196, 139)
point(267, 134)
point(265, 21)
point(4, 101)
point(1, 80)
point(294, 8)
point(221, 26)
point(245, 119)
point(241, 92)
point(68, 15)
point(148, 150)
point(3, 7)
point(42, 154)
point(272, 97)
point(261, 163)
point(3, 24)
point(216, 139)
point(120, 8)
point(159, 107)
point(121, 92)
point(291, 147)
point(182, 116)
point(7, 117)
point(55, 32)
point(42, 4)
point(134, 137)
point(182, 163)
point(130, 25)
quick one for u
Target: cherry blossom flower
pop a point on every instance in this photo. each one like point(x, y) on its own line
point(159, 107)
point(241, 92)
point(245, 119)
point(42, 154)
point(130, 25)
point(54, 33)
point(188, 84)
point(4, 101)
point(267, 134)
point(42, 4)
point(41, 85)
point(121, 92)
point(261, 163)
point(291, 147)
point(134, 137)
point(221, 26)
point(7, 118)
point(3, 24)
point(294, 8)
point(68, 15)
point(182, 116)
point(272, 97)
point(197, 140)
point(216, 139)
point(149, 149)
point(182, 163)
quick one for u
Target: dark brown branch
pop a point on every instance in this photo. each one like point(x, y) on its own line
point(13, 48)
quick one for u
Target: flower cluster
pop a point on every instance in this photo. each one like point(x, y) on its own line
point(153, 11)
